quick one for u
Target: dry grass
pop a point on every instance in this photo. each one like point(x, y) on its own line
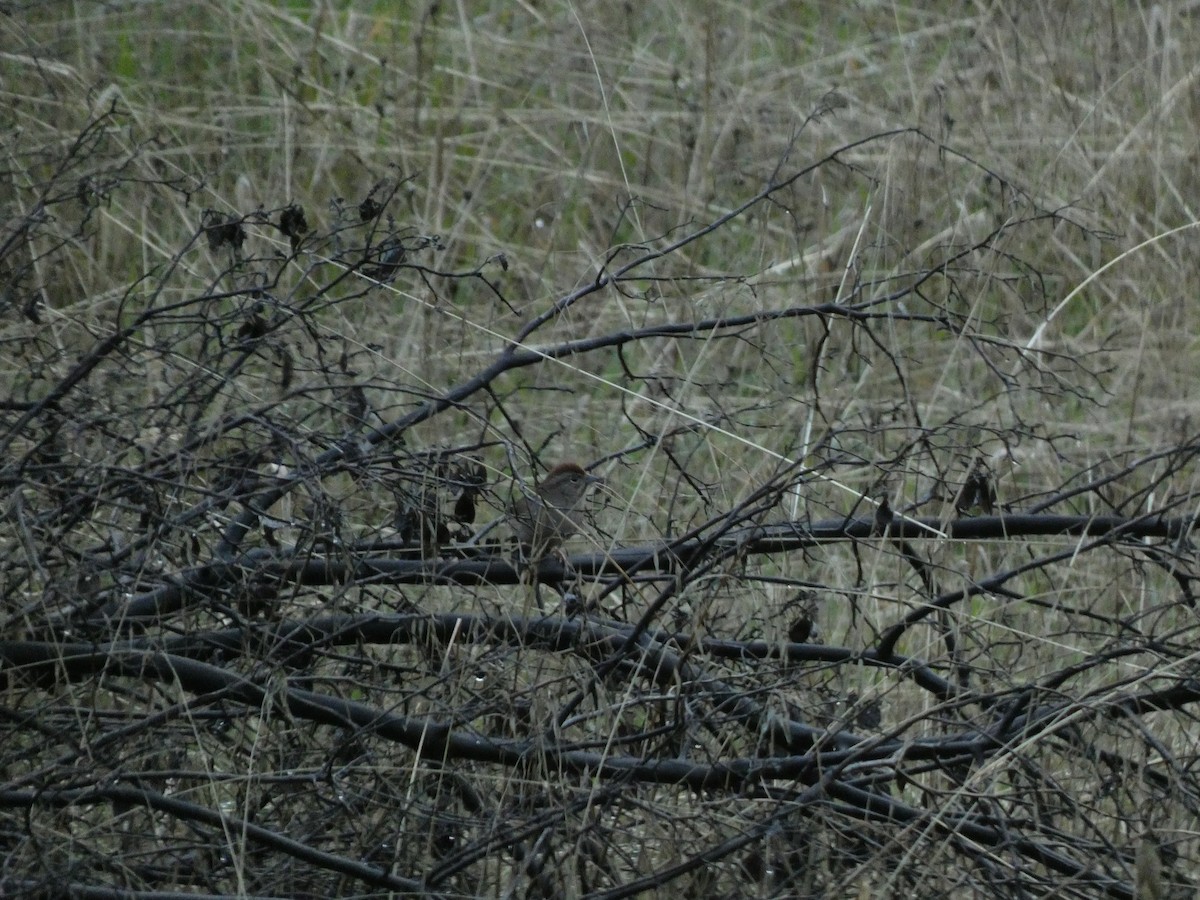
point(1049, 149)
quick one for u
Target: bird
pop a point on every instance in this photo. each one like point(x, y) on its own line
point(544, 519)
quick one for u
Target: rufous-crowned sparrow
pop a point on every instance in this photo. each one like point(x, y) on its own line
point(543, 521)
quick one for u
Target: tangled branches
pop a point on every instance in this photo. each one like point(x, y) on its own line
point(256, 633)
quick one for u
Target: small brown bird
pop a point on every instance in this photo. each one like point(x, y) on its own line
point(543, 521)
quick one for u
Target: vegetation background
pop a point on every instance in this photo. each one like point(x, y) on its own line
point(290, 289)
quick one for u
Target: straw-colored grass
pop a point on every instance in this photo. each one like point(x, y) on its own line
point(1026, 173)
